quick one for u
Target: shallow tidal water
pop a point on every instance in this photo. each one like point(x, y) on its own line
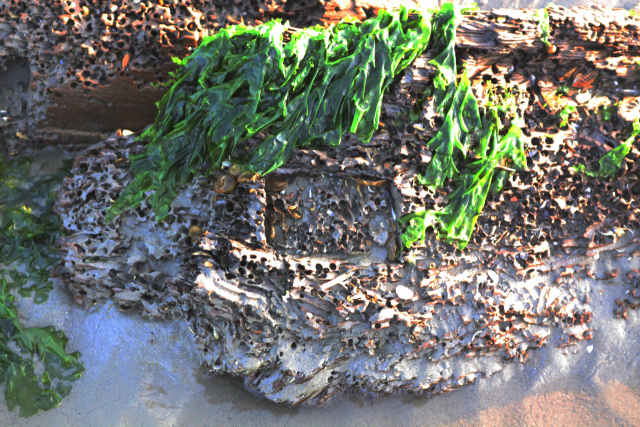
point(143, 372)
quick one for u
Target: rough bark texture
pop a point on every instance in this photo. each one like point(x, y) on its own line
point(297, 282)
point(96, 61)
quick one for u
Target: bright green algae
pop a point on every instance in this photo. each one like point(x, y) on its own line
point(452, 142)
point(611, 162)
point(457, 220)
point(309, 91)
point(242, 80)
point(29, 230)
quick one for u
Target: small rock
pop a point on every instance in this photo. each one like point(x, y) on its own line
point(589, 349)
point(582, 98)
point(403, 292)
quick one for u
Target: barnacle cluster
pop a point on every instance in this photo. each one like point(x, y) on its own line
point(331, 215)
point(301, 323)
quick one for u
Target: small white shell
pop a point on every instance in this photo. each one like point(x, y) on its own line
point(403, 292)
point(582, 98)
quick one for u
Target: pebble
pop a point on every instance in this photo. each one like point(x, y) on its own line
point(404, 293)
point(582, 98)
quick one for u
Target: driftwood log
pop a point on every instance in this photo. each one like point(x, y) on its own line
point(91, 64)
point(297, 281)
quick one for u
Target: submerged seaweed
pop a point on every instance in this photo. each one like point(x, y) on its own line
point(22, 350)
point(29, 230)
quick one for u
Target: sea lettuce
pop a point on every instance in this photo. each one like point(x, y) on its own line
point(20, 352)
point(610, 163)
point(418, 223)
point(457, 104)
point(495, 159)
point(243, 80)
point(452, 139)
point(29, 230)
point(487, 174)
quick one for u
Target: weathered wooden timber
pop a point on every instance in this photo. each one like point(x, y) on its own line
point(92, 64)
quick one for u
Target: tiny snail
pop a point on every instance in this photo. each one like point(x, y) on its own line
point(552, 48)
point(247, 176)
point(194, 230)
point(195, 233)
point(225, 184)
point(235, 170)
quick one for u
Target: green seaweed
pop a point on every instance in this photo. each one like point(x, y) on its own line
point(487, 174)
point(452, 139)
point(418, 223)
point(21, 350)
point(29, 230)
point(542, 16)
point(607, 113)
point(457, 103)
point(610, 163)
point(564, 114)
point(309, 91)
point(244, 80)
point(28, 226)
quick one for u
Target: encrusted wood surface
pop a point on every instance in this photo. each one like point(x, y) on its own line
point(91, 66)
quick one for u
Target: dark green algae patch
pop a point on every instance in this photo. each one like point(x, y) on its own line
point(243, 80)
point(308, 92)
point(35, 368)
